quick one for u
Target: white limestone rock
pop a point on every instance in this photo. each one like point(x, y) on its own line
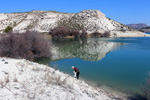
point(44, 21)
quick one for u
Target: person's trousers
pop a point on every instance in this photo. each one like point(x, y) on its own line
point(77, 75)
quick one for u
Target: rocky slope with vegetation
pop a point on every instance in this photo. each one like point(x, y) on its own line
point(45, 21)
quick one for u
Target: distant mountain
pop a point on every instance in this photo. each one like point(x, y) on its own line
point(137, 26)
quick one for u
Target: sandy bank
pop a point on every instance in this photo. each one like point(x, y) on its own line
point(25, 80)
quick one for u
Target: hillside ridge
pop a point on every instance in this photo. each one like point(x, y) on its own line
point(45, 21)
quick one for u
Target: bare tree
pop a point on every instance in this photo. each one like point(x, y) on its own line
point(28, 45)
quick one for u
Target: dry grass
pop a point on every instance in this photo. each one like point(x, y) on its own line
point(64, 81)
point(7, 79)
point(15, 80)
point(35, 68)
point(48, 77)
point(58, 80)
point(2, 84)
point(51, 78)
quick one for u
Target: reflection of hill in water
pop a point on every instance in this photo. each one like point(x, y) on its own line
point(87, 50)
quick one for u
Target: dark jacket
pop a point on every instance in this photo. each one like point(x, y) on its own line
point(76, 69)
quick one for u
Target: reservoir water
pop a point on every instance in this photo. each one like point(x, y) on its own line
point(122, 64)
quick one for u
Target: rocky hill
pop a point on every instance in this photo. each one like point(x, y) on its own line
point(44, 21)
point(145, 29)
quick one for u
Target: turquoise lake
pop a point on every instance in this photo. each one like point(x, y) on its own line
point(120, 63)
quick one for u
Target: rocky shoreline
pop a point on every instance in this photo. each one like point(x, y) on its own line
point(22, 79)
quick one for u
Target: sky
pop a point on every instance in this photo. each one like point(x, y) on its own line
point(123, 11)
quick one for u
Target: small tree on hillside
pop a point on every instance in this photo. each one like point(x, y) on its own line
point(8, 29)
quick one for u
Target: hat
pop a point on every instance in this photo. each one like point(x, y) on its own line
point(72, 67)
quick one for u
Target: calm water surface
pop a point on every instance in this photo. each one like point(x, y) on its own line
point(148, 32)
point(119, 63)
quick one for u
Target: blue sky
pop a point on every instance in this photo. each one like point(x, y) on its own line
point(124, 11)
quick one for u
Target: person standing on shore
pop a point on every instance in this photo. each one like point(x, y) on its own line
point(76, 72)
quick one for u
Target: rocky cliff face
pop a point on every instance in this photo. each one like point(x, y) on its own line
point(44, 21)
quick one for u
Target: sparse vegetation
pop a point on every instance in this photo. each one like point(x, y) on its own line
point(28, 45)
point(3, 84)
point(70, 23)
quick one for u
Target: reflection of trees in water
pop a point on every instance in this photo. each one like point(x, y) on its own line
point(88, 50)
point(69, 42)
point(85, 49)
point(64, 45)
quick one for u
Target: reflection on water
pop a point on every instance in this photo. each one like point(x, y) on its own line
point(120, 63)
point(87, 50)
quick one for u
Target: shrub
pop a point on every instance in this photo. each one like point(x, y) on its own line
point(62, 32)
point(97, 34)
point(106, 34)
point(141, 30)
point(76, 34)
point(28, 45)
point(8, 29)
point(84, 34)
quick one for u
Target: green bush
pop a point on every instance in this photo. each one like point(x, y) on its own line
point(8, 29)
